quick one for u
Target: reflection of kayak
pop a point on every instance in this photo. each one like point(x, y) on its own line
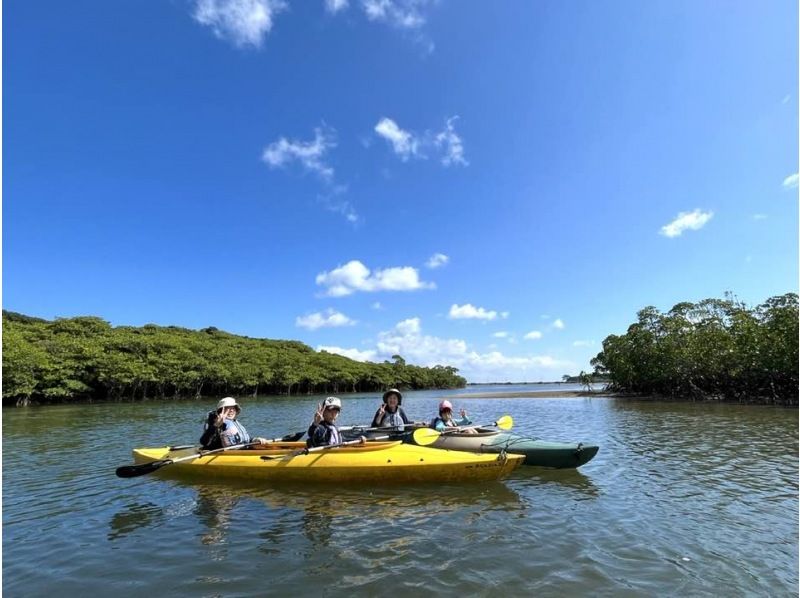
point(558, 455)
point(373, 462)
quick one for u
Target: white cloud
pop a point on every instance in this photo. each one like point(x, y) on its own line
point(558, 323)
point(759, 216)
point(791, 181)
point(470, 312)
point(243, 22)
point(694, 220)
point(334, 6)
point(500, 334)
point(437, 260)
point(533, 335)
point(408, 144)
point(330, 318)
point(376, 306)
point(355, 276)
point(404, 143)
point(407, 339)
point(351, 353)
point(404, 14)
point(309, 153)
point(583, 344)
point(421, 349)
point(452, 145)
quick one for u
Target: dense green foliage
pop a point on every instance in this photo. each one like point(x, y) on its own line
point(711, 349)
point(86, 358)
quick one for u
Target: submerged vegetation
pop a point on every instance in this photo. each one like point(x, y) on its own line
point(714, 349)
point(85, 358)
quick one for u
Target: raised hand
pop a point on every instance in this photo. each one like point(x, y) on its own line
point(318, 414)
point(463, 413)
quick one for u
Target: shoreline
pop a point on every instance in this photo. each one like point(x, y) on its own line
point(534, 394)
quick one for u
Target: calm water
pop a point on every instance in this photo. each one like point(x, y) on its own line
point(682, 499)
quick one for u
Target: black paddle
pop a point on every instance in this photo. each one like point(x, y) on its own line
point(134, 471)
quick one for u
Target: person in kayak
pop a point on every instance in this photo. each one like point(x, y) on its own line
point(222, 429)
point(323, 430)
point(445, 419)
point(390, 414)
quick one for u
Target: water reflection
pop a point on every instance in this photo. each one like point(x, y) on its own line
point(569, 479)
point(321, 512)
point(133, 517)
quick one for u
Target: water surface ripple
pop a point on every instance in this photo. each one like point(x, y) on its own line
point(682, 499)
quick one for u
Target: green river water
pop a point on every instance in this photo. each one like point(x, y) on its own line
point(683, 499)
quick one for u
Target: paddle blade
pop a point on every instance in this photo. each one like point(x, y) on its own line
point(425, 436)
point(134, 471)
point(505, 423)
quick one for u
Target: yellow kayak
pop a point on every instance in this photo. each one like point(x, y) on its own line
point(370, 462)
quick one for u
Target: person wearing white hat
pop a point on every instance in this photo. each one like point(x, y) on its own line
point(223, 430)
point(323, 430)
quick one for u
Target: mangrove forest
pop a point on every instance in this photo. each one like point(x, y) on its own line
point(87, 359)
point(714, 349)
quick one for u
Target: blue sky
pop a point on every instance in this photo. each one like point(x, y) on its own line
point(492, 185)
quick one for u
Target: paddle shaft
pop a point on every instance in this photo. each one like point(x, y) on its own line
point(132, 471)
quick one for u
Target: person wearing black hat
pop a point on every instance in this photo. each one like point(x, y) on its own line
point(390, 414)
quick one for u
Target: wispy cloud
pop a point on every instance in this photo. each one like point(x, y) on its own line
point(500, 334)
point(242, 22)
point(450, 143)
point(310, 154)
point(330, 318)
point(437, 260)
point(791, 181)
point(694, 220)
point(533, 335)
point(759, 216)
point(447, 144)
point(404, 14)
point(583, 344)
point(470, 312)
point(404, 143)
point(333, 201)
point(558, 323)
point(355, 276)
point(312, 157)
point(334, 6)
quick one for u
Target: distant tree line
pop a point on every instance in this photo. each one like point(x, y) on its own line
point(714, 349)
point(86, 359)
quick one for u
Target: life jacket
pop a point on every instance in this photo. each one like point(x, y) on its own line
point(394, 420)
point(323, 434)
point(439, 423)
point(233, 432)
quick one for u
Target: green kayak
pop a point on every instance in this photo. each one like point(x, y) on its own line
point(538, 453)
point(541, 453)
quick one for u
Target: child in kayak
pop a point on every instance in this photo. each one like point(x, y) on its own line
point(323, 430)
point(223, 430)
point(390, 414)
point(445, 419)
